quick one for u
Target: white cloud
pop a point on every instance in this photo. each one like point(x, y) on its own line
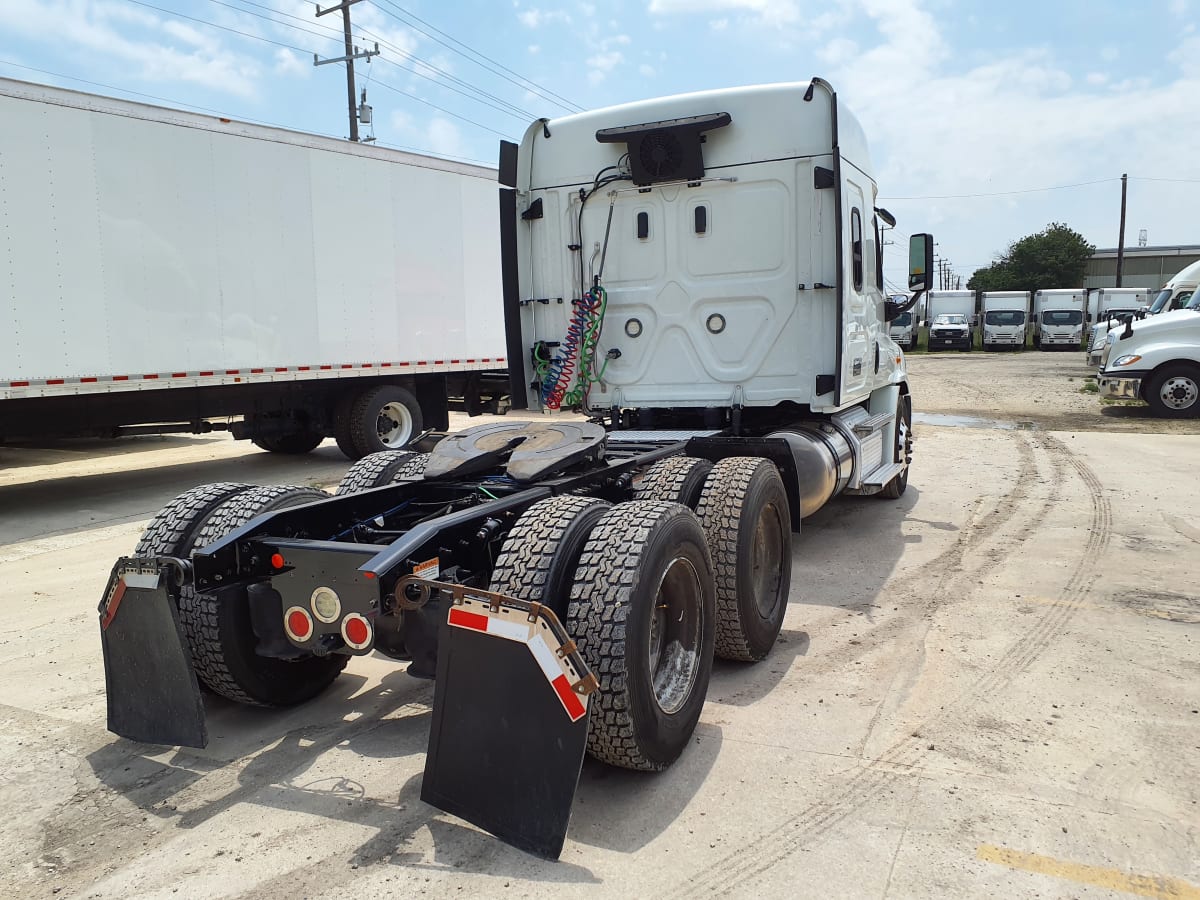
point(600, 64)
point(533, 49)
point(289, 64)
point(104, 31)
point(940, 126)
point(536, 18)
point(768, 12)
point(647, 71)
point(1109, 53)
point(718, 24)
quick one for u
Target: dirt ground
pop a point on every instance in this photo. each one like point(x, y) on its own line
point(990, 687)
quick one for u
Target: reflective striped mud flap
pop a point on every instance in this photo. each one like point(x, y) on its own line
point(152, 691)
point(510, 719)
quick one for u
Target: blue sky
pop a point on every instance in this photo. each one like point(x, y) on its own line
point(957, 98)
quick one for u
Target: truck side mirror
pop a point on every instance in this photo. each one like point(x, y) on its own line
point(920, 262)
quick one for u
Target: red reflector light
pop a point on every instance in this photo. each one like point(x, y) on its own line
point(368, 574)
point(277, 560)
point(298, 624)
point(356, 631)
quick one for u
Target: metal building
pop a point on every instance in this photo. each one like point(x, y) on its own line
point(1145, 267)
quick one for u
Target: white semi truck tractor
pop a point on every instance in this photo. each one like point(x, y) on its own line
point(1005, 315)
point(1156, 360)
point(1175, 294)
point(701, 277)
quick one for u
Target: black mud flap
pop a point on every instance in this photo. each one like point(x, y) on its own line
point(153, 695)
point(510, 719)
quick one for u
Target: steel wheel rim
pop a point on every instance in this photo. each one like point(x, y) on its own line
point(394, 425)
point(1179, 392)
point(767, 561)
point(674, 638)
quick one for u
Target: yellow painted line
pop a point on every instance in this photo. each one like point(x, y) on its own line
point(1157, 886)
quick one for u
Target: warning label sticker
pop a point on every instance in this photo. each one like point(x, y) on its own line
point(429, 569)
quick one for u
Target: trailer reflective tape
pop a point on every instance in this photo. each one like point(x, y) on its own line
point(522, 629)
point(464, 619)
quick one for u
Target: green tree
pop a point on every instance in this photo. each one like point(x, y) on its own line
point(1055, 257)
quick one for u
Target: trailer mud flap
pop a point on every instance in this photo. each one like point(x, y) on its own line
point(153, 695)
point(510, 719)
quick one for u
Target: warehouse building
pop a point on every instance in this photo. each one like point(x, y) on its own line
point(1145, 267)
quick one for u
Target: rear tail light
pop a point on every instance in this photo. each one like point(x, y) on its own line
point(356, 631)
point(326, 605)
point(298, 624)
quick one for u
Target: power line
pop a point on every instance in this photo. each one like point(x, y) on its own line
point(1169, 180)
point(493, 66)
point(1058, 187)
point(257, 37)
point(512, 110)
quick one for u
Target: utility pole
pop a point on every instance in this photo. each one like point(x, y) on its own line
point(1121, 236)
point(352, 53)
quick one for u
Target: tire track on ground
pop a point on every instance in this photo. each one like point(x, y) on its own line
point(736, 870)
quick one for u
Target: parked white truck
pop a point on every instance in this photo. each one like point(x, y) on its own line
point(568, 582)
point(170, 271)
point(903, 329)
point(1175, 294)
point(1157, 360)
point(1106, 308)
point(951, 319)
point(1058, 318)
point(1005, 316)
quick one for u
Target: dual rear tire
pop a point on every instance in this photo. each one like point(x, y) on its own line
point(651, 591)
point(219, 633)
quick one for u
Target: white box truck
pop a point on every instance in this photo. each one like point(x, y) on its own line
point(1107, 306)
point(903, 328)
point(1005, 315)
point(951, 319)
point(1058, 318)
point(170, 271)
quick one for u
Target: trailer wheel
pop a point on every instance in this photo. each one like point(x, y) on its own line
point(642, 613)
point(678, 479)
point(385, 417)
point(170, 532)
point(294, 442)
point(1173, 392)
point(901, 451)
point(373, 471)
point(744, 509)
point(542, 549)
point(220, 636)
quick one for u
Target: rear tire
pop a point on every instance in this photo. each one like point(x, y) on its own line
point(679, 479)
point(220, 635)
point(642, 613)
point(385, 417)
point(541, 552)
point(373, 471)
point(744, 510)
point(170, 532)
point(293, 443)
point(1173, 392)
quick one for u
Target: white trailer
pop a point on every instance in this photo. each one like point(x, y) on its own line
point(170, 271)
point(1058, 318)
point(950, 333)
point(1004, 315)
